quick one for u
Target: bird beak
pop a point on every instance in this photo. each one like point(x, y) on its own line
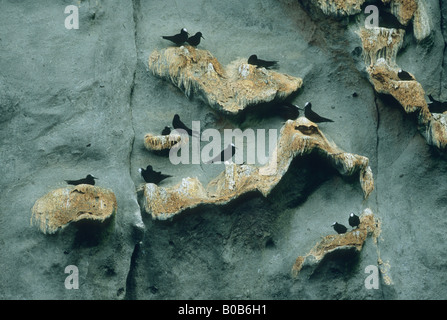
point(203, 38)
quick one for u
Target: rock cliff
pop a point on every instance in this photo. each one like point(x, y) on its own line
point(86, 100)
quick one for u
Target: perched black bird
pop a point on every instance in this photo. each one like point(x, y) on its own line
point(436, 106)
point(354, 220)
point(87, 180)
point(195, 39)
point(339, 228)
point(404, 75)
point(166, 131)
point(253, 59)
point(178, 38)
point(178, 124)
point(289, 111)
point(151, 176)
point(312, 116)
point(225, 155)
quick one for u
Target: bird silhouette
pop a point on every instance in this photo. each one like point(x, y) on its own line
point(89, 179)
point(195, 39)
point(178, 124)
point(436, 106)
point(178, 38)
point(339, 228)
point(166, 131)
point(354, 220)
point(151, 176)
point(404, 75)
point(225, 155)
point(288, 111)
point(253, 60)
point(312, 116)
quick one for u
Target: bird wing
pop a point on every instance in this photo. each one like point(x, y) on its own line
point(267, 63)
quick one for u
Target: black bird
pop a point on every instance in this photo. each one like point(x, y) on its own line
point(289, 111)
point(253, 59)
point(87, 180)
point(339, 228)
point(166, 131)
point(354, 220)
point(225, 155)
point(178, 124)
point(312, 116)
point(151, 176)
point(195, 39)
point(404, 75)
point(178, 38)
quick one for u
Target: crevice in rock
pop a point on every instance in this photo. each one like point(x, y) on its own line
point(130, 279)
point(377, 129)
point(136, 6)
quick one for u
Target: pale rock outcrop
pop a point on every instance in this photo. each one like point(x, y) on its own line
point(229, 89)
point(59, 207)
point(297, 138)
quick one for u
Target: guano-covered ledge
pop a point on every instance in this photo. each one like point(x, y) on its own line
point(229, 89)
point(60, 207)
point(297, 138)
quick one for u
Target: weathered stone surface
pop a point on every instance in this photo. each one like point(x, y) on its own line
point(62, 206)
point(339, 7)
point(353, 239)
point(230, 89)
point(436, 131)
point(80, 101)
point(297, 138)
point(67, 99)
point(412, 10)
point(380, 46)
point(409, 94)
point(381, 43)
point(158, 142)
point(404, 10)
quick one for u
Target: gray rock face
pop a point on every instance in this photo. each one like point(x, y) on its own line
point(74, 102)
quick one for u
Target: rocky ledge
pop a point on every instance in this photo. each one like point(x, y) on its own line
point(59, 207)
point(229, 89)
point(354, 239)
point(297, 138)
